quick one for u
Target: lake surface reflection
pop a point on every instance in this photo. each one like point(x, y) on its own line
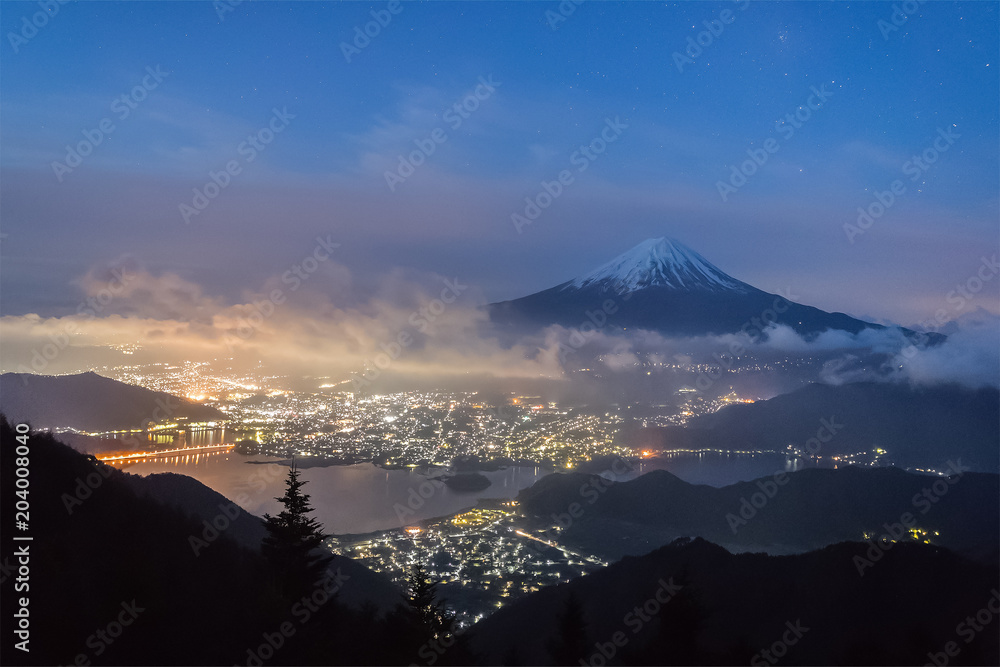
point(357, 498)
point(361, 498)
point(716, 469)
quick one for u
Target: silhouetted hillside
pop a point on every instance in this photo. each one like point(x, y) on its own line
point(100, 549)
point(692, 602)
point(364, 587)
point(919, 427)
point(90, 402)
point(796, 512)
point(97, 545)
point(194, 498)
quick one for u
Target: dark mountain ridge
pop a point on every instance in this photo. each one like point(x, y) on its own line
point(91, 402)
point(918, 427)
point(784, 513)
point(102, 538)
point(726, 609)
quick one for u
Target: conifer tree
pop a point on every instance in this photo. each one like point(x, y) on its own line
point(422, 597)
point(294, 539)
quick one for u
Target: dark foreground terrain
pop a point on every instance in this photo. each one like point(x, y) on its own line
point(125, 571)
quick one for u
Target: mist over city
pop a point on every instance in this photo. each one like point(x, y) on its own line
point(545, 333)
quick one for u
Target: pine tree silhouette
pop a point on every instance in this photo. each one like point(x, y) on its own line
point(293, 540)
point(422, 597)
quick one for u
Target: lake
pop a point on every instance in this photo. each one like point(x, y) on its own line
point(357, 498)
point(362, 498)
point(718, 469)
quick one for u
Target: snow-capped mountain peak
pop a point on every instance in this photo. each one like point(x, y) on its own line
point(660, 262)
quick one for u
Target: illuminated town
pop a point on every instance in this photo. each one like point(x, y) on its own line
point(483, 558)
point(398, 429)
point(416, 428)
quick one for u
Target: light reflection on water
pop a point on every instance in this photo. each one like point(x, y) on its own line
point(362, 497)
point(178, 439)
point(714, 468)
point(355, 498)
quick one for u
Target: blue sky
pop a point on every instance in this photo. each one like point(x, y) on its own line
point(324, 172)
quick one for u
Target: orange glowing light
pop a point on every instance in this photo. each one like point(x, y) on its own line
point(160, 453)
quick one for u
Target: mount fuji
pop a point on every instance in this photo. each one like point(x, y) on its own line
point(658, 262)
point(662, 285)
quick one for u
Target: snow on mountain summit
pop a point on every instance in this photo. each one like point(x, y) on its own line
point(660, 262)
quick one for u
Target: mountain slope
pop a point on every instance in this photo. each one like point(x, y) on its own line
point(919, 427)
point(662, 285)
point(362, 586)
point(725, 609)
point(90, 402)
point(796, 512)
point(102, 541)
point(96, 545)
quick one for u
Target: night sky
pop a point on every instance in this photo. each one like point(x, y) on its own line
point(208, 79)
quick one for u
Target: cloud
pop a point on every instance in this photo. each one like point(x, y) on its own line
point(414, 324)
point(970, 357)
point(123, 288)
